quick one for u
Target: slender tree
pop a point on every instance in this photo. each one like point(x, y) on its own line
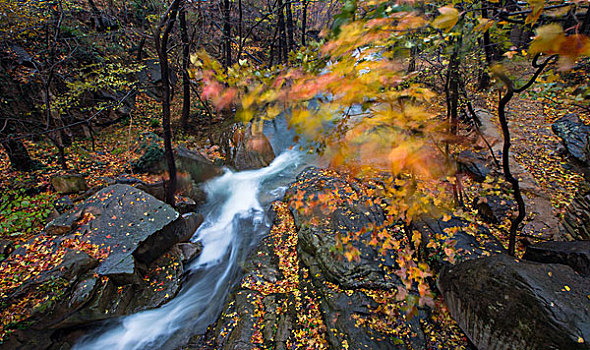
point(289, 26)
point(161, 42)
point(186, 84)
point(304, 23)
point(503, 102)
point(226, 33)
point(283, 50)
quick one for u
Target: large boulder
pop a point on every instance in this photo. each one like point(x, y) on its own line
point(246, 149)
point(128, 223)
point(112, 255)
point(318, 228)
point(153, 160)
point(504, 303)
point(150, 78)
point(472, 164)
point(198, 167)
point(575, 136)
point(299, 290)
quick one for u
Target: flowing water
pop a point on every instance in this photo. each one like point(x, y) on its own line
point(235, 220)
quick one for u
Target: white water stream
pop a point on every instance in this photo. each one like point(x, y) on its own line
point(234, 221)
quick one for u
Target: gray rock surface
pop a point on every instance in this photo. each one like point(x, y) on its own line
point(575, 136)
point(129, 223)
point(504, 303)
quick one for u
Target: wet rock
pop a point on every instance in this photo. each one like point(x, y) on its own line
point(189, 251)
point(246, 149)
point(574, 254)
point(132, 264)
point(192, 221)
point(53, 284)
point(185, 205)
point(493, 209)
point(165, 274)
point(316, 237)
point(128, 222)
point(67, 184)
point(473, 164)
point(150, 78)
point(198, 167)
point(504, 303)
point(157, 190)
point(305, 298)
point(468, 244)
point(575, 136)
point(63, 204)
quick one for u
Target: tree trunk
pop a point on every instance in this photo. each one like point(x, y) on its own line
point(304, 23)
point(18, 155)
point(61, 152)
point(503, 102)
point(283, 51)
point(290, 35)
point(586, 24)
point(240, 19)
point(226, 33)
point(167, 23)
point(186, 84)
point(484, 77)
point(452, 88)
point(272, 48)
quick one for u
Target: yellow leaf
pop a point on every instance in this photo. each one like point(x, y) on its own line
point(484, 25)
point(537, 7)
point(548, 39)
point(449, 16)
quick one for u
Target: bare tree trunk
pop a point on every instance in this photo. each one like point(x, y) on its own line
point(586, 24)
point(283, 51)
point(290, 35)
point(510, 91)
point(18, 155)
point(61, 152)
point(452, 88)
point(304, 23)
point(272, 48)
point(167, 22)
point(186, 84)
point(226, 33)
point(484, 77)
point(240, 39)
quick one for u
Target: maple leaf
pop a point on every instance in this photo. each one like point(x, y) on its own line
point(449, 16)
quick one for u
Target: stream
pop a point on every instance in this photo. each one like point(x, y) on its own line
point(235, 221)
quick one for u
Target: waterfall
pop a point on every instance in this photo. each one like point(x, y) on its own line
point(234, 220)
